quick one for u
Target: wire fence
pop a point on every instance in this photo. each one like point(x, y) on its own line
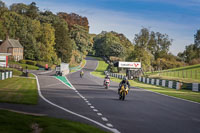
point(190, 74)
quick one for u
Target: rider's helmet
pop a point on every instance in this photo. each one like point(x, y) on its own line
point(125, 79)
point(107, 75)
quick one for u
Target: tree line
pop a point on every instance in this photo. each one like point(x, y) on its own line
point(46, 36)
point(149, 47)
point(191, 54)
point(65, 37)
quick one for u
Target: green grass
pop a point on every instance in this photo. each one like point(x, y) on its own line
point(15, 71)
point(100, 69)
point(30, 67)
point(80, 66)
point(183, 74)
point(18, 90)
point(184, 94)
point(185, 80)
point(11, 122)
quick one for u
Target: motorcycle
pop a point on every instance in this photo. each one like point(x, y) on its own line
point(81, 75)
point(123, 92)
point(107, 83)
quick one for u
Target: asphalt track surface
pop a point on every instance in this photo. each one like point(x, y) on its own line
point(141, 112)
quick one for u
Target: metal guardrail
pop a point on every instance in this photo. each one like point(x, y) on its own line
point(5, 74)
point(170, 84)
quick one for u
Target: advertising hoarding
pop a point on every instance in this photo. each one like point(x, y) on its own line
point(129, 64)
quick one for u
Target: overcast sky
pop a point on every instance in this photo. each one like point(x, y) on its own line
point(180, 19)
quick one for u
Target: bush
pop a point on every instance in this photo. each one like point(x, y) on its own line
point(30, 62)
point(194, 61)
point(113, 69)
point(22, 61)
point(42, 64)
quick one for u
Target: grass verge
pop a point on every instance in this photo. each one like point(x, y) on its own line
point(184, 94)
point(185, 80)
point(11, 122)
point(76, 68)
point(30, 67)
point(18, 90)
point(188, 74)
point(17, 72)
point(102, 66)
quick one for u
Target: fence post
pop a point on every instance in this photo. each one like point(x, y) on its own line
point(157, 81)
point(2, 76)
point(170, 84)
point(182, 74)
point(186, 74)
point(195, 74)
point(11, 74)
point(144, 79)
point(195, 87)
point(152, 81)
point(163, 83)
point(140, 79)
point(147, 80)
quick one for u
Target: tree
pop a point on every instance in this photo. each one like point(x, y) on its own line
point(192, 51)
point(47, 42)
point(156, 46)
point(2, 4)
point(197, 39)
point(74, 19)
point(63, 43)
point(112, 44)
point(32, 11)
point(19, 8)
point(81, 38)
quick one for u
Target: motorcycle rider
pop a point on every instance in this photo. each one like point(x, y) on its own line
point(81, 73)
point(124, 82)
point(107, 77)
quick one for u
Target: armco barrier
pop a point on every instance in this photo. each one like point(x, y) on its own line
point(195, 87)
point(163, 83)
point(147, 81)
point(5, 74)
point(171, 84)
point(157, 81)
point(160, 82)
point(152, 81)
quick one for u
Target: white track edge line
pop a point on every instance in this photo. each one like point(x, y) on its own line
point(81, 116)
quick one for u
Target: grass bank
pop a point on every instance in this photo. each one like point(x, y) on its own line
point(17, 72)
point(12, 122)
point(184, 94)
point(100, 68)
point(19, 90)
point(24, 66)
point(188, 74)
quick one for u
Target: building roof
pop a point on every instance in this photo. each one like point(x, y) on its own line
point(15, 43)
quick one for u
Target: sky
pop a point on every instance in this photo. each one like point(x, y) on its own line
point(180, 19)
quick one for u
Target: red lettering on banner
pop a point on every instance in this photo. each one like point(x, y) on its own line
point(136, 65)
